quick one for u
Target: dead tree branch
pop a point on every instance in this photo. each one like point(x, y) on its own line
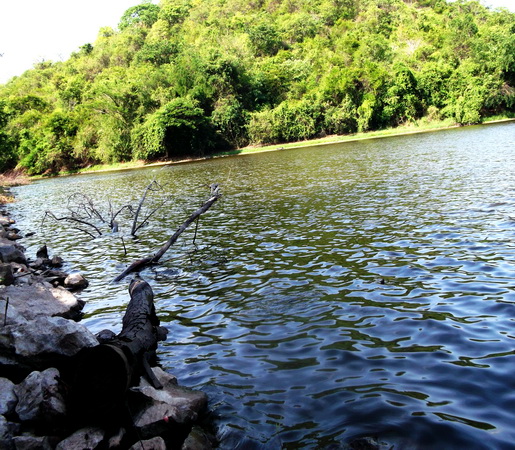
point(74, 219)
point(152, 259)
point(153, 186)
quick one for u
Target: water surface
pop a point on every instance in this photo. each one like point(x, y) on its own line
point(359, 289)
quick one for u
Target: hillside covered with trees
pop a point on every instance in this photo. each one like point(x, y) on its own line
point(189, 77)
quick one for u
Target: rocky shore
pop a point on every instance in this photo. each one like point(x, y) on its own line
point(41, 343)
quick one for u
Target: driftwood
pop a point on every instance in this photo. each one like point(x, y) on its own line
point(153, 259)
point(105, 372)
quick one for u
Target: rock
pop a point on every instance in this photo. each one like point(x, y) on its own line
point(156, 443)
point(13, 316)
point(28, 442)
point(56, 261)
point(6, 274)
point(172, 403)
point(8, 398)
point(76, 281)
point(55, 276)
point(40, 397)
point(11, 253)
point(116, 440)
point(83, 439)
point(13, 236)
point(105, 336)
point(37, 264)
point(5, 221)
point(50, 336)
point(197, 440)
point(42, 253)
point(165, 378)
point(7, 431)
point(38, 299)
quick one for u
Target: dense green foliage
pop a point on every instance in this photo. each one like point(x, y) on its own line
point(186, 77)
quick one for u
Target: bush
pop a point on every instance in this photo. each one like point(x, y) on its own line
point(177, 129)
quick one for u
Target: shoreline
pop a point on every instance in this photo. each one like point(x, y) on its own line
point(250, 150)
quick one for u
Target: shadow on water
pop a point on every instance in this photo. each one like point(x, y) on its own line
point(362, 289)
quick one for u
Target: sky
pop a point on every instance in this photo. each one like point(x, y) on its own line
point(32, 31)
point(35, 30)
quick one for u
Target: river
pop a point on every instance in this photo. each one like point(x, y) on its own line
point(339, 291)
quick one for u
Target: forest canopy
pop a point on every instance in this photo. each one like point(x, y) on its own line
point(189, 77)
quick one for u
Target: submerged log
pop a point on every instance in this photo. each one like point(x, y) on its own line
point(104, 373)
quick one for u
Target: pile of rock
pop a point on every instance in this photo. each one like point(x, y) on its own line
point(40, 341)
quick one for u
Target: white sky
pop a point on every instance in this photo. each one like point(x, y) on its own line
point(35, 30)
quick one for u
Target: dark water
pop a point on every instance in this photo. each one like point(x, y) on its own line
point(364, 289)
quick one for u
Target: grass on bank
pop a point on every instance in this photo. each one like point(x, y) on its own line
point(421, 126)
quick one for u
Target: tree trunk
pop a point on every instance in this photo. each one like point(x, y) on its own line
point(105, 372)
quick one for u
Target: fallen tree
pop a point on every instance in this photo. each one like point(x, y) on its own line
point(105, 372)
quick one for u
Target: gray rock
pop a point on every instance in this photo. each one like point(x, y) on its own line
point(49, 336)
point(38, 299)
point(116, 439)
point(6, 274)
point(28, 442)
point(172, 403)
point(56, 261)
point(75, 281)
point(11, 253)
point(8, 398)
point(13, 236)
point(197, 440)
point(7, 431)
point(40, 397)
point(42, 253)
point(83, 439)
point(156, 443)
point(13, 316)
point(6, 221)
point(37, 264)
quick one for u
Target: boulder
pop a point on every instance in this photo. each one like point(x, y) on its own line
point(156, 443)
point(6, 274)
point(84, 439)
point(11, 253)
point(75, 281)
point(39, 299)
point(8, 398)
point(49, 336)
point(40, 397)
point(162, 407)
point(29, 442)
point(7, 431)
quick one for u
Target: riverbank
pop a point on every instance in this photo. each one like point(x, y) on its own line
point(51, 398)
point(421, 127)
point(8, 180)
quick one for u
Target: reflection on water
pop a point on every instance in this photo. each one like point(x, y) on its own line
point(339, 291)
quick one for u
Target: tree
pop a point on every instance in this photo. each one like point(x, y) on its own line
point(143, 15)
point(179, 128)
point(8, 157)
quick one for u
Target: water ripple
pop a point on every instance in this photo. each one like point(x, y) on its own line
point(339, 291)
